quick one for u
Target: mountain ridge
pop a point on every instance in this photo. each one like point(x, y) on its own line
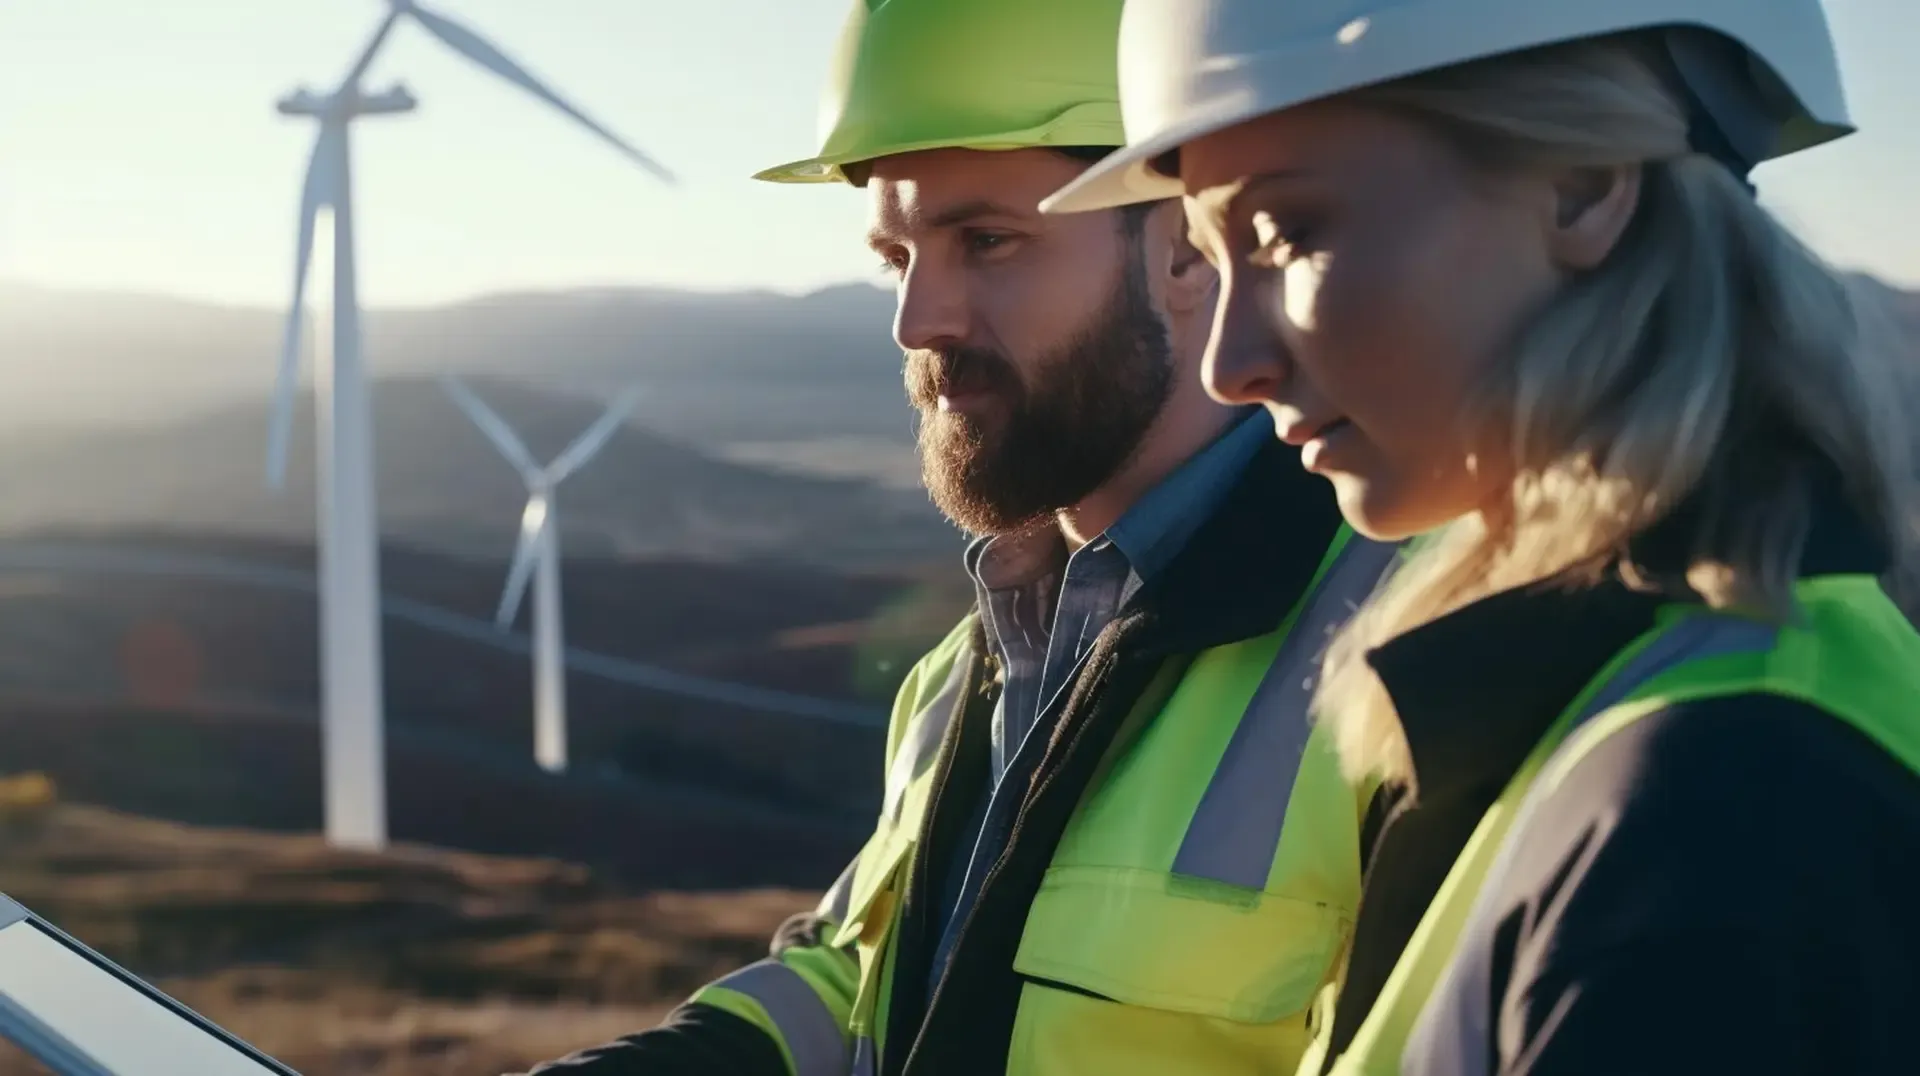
point(442, 485)
point(720, 366)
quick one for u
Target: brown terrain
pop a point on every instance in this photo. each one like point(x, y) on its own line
point(193, 700)
point(419, 962)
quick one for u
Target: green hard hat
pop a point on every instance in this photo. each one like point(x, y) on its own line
point(912, 75)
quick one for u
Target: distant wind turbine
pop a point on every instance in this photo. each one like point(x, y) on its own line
point(352, 721)
point(537, 557)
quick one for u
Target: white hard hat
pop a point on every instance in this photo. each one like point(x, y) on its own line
point(1764, 81)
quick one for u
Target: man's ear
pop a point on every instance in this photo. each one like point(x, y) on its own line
point(1592, 208)
point(1191, 279)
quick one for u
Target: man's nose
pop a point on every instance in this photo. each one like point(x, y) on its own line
point(931, 311)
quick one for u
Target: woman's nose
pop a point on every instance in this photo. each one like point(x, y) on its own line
point(1247, 360)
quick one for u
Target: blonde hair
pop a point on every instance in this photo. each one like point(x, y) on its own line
point(1711, 353)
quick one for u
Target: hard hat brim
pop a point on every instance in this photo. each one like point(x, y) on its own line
point(809, 170)
point(1127, 176)
point(1095, 123)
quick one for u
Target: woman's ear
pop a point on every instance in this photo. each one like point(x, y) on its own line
point(1191, 279)
point(1592, 208)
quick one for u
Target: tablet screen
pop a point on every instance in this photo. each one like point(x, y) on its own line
point(80, 1018)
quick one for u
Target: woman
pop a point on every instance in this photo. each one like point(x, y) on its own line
point(1649, 723)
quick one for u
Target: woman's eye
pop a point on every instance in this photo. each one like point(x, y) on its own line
point(1278, 242)
point(1273, 256)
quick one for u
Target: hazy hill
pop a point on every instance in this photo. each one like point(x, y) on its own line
point(719, 368)
point(443, 486)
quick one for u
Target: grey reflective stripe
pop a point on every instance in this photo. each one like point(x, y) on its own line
point(816, 1041)
point(925, 731)
point(1236, 829)
point(1453, 1035)
point(838, 900)
point(865, 1057)
point(1701, 636)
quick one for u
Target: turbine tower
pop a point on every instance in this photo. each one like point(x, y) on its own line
point(537, 556)
point(352, 721)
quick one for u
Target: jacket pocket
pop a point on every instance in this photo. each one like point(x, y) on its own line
point(1159, 941)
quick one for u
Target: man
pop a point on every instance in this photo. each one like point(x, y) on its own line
point(1108, 844)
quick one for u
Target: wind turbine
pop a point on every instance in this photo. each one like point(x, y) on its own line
point(537, 556)
point(352, 722)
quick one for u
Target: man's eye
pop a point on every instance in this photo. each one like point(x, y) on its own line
point(986, 242)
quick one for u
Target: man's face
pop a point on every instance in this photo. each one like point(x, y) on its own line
point(1034, 351)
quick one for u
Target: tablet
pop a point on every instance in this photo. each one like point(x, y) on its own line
point(79, 1014)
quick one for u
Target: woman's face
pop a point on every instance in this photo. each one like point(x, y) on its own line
point(1369, 277)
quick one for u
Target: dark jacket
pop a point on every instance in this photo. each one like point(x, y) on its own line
point(1236, 578)
point(1727, 885)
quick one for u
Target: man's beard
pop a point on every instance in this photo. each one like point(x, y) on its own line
point(1060, 434)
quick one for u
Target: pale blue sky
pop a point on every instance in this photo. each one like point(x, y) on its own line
point(139, 147)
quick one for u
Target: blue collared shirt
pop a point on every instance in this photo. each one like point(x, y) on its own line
point(1042, 609)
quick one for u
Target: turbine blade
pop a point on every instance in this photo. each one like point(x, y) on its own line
point(367, 52)
point(590, 442)
point(480, 51)
point(525, 553)
point(495, 428)
point(317, 191)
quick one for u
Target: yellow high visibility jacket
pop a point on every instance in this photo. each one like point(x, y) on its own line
point(1854, 656)
point(1199, 897)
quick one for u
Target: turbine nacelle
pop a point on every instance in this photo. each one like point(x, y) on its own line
point(345, 103)
point(396, 98)
point(305, 102)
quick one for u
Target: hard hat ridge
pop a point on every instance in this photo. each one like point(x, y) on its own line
point(912, 75)
point(1761, 77)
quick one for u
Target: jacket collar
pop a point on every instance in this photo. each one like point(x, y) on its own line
point(1246, 566)
point(1476, 688)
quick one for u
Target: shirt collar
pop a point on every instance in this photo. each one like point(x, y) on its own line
point(1010, 561)
point(1156, 527)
